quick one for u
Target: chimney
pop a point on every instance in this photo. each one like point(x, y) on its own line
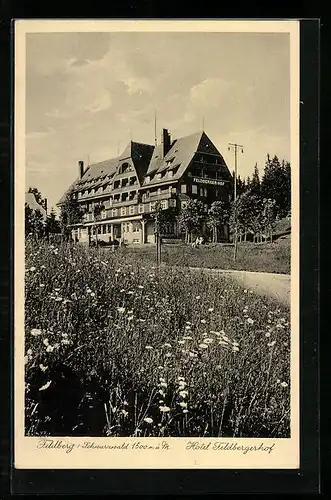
point(81, 168)
point(166, 141)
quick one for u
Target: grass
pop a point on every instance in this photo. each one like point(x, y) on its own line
point(114, 347)
point(264, 257)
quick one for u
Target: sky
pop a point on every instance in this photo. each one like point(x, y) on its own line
point(89, 94)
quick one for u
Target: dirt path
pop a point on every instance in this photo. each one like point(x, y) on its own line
point(277, 286)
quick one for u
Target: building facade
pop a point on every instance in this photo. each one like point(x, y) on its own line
point(126, 189)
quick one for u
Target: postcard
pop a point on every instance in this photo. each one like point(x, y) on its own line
point(156, 244)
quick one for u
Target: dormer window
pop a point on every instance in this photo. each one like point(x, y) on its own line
point(159, 176)
point(147, 179)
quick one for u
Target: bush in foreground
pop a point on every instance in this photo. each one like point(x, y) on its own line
point(116, 348)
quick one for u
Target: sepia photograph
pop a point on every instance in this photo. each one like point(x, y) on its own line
point(157, 234)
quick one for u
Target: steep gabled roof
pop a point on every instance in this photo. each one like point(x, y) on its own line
point(180, 156)
point(34, 205)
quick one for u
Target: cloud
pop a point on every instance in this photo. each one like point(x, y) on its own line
point(100, 104)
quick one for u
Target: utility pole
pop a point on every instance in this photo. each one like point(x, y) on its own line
point(235, 147)
point(155, 133)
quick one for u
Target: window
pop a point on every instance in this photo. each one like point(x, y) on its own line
point(170, 173)
point(172, 203)
point(194, 189)
point(114, 212)
point(141, 209)
point(131, 210)
point(123, 211)
point(147, 179)
point(164, 204)
point(183, 188)
point(159, 176)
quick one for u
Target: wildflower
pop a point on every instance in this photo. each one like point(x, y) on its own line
point(130, 318)
point(49, 348)
point(167, 345)
point(210, 309)
point(46, 386)
point(278, 381)
point(164, 409)
point(222, 342)
point(245, 291)
point(203, 346)
point(183, 394)
point(65, 342)
point(268, 334)
point(183, 404)
point(187, 327)
point(32, 269)
point(188, 323)
point(180, 378)
point(284, 384)
point(203, 321)
point(42, 267)
point(208, 341)
point(163, 384)
point(250, 321)
point(198, 297)
point(58, 299)
point(224, 337)
point(148, 420)
point(26, 359)
point(130, 292)
point(161, 379)
point(121, 291)
point(168, 355)
point(235, 344)
point(235, 349)
point(92, 294)
point(181, 342)
point(185, 411)
point(45, 341)
point(29, 352)
point(141, 287)
point(279, 326)
point(41, 285)
point(125, 413)
point(148, 347)
point(192, 354)
point(121, 310)
point(271, 344)
point(187, 338)
point(35, 332)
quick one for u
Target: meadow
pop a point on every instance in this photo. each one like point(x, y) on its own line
point(116, 347)
point(263, 257)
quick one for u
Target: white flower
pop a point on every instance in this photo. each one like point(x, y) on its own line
point(183, 394)
point(121, 310)
point(88, 290)
point(168, 355)
point(65, 342)
point(208, 341)
point(164, 409)
point(185, 411)
point(46, 386)
point(181, 378)
point(210, 309)
point(64, 335)
point(163, 384)
point(250, 321)
point(245, 291)
point(235, 344)
point(235, 349)
point(148, 420)
point(125, 413)
point(187, 327)
point(167, 345)
point(32, 269)
point(222, 342)
point(43, 368)
point(271, 344)
point(284, 384)
point(45, 341)
point(35, 332)
point(149, 347)
point(203, 321)
point(203, 346)
point(29, 352)
point(41, 285)
point(278, 381)
point(49, 348)
point(162, 393)
point(162, 379)
point(92, 294)
point(198, 297)
point(141, 287)
point(224, 337)
point(181, 342)
point(183, 404)
point(192, 355)
point(130, 318)
point(268, 334)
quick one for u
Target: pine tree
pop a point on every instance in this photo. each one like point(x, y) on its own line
point(276, 184)
point(255, 185)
